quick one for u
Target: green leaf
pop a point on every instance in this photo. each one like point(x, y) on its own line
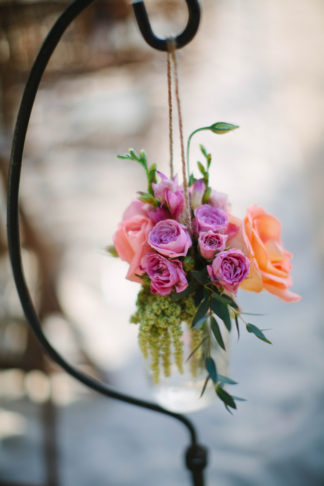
point(226, 381)
point(181, 295)
point(202, 309)
point(225, 397)
point(225, 299)
point(206, 195)
point(211, 368)
point(147, 198)
point(196, 348)
point(203, 151)
point(200, 322)
point(191, 180)
point(222, 127)
point(112, 250)
point(221, 310)
point(257, 332)
point(202, 169)
point(237, 326)
point(199, 295)
point(239, 399)
point(205, 385)
point(215, 329)
point(201, 275)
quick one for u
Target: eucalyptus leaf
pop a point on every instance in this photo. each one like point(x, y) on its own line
point(237, 326)
point(221, 310)
point(205, 385)
point(226, 381)
point(181, 295)
point(201, 312)
point(225, 299)
point(201, 275)
point(225, 397)
point(215, 329)
point(239, 399)
point(196, 348)
point(257, 332)
point(200, 322)
point(211, 368)
point(199, 295)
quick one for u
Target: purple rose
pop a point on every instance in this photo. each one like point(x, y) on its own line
point(211, 242)
point(164, 274)
point(197, 192)
point(208, 218)
point(229, 269)
point(170, 238)
point(169, 192)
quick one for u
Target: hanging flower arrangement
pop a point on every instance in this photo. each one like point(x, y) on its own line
point(191, 255)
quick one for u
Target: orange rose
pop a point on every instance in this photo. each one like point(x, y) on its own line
point(270, 262)
point(130, 241)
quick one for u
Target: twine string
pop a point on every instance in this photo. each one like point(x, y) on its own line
point(170, 106)
point(172, 54)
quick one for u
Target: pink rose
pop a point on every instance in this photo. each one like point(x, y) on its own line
point(164, 274)
point(210, 242)
point(130, 240)
point(229, 269)
point(136, 208)
point(158, 214)
point(208, 218)
point(170, 238)
point(197, 192)
point(219, 200)
point(169, 192)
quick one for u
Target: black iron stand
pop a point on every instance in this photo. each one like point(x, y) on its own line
point(196, 455)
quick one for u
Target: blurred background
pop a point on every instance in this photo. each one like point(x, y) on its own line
point(254, 63)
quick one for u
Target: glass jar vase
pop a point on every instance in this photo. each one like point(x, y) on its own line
point(178, 387)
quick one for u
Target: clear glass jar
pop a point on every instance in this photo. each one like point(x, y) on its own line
point(181, 391)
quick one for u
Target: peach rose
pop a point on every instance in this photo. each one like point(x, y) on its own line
point(269, 262)
point(130, 239)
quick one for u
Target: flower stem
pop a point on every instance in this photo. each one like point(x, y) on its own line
point(188, 145)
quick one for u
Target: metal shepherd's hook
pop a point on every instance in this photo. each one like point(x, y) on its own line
point(196, 455)
point(180, 40)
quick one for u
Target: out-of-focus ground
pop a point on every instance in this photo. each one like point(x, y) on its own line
point(255, 63)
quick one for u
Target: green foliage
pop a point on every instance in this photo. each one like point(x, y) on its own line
point(216, 331)
point(221, 310)
point(112, 250)
point(211, 368)
point(226, 398)
point(150, 171)
point(201, 312)
point(225, 380)
point(257, 332)
point(237, 325)
point(225, 299)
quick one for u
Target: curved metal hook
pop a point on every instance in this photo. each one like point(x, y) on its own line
point(162, 44)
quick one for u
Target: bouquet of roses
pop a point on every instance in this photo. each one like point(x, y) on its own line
point(191, 254)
